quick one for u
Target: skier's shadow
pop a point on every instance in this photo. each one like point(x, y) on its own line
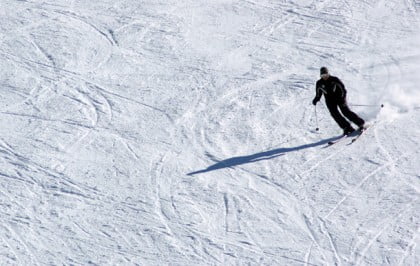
point(261, 156)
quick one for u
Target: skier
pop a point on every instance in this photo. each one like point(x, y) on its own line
point(335, 96)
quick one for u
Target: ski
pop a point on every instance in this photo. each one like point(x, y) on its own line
point(340, 139)
point(357, 137)
point(360, 133)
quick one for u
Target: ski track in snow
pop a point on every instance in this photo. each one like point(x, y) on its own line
point(180, 133)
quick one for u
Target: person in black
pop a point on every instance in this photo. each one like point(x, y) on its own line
point(335, 97)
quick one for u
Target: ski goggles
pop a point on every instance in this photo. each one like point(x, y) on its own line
point(325, 75)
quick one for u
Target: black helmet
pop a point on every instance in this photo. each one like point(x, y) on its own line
point(323, 70)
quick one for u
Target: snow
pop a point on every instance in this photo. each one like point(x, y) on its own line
point(182, 133)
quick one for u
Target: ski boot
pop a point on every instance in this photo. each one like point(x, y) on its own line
point(348, 131)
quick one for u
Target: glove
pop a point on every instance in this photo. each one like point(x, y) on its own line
point(314, 101)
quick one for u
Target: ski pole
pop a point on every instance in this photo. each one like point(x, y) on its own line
point(368, 105)
point(316, 120)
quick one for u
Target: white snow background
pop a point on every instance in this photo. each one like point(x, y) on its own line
point(182, 133)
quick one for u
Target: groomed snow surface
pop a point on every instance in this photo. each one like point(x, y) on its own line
point(169, 132)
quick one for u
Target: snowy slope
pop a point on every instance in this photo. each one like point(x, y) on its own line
point(182, 133)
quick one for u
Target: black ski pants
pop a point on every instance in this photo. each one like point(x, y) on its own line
point(345, 110)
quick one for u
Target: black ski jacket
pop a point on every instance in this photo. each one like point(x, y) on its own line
point(333, 90)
